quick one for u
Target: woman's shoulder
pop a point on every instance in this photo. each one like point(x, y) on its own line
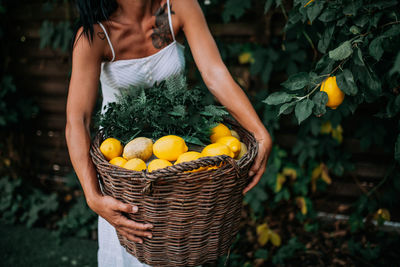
point(91, 44)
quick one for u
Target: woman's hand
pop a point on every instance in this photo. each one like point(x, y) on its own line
point(260, 163)
point(112, 211)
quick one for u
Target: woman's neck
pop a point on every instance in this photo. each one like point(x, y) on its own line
point(134, 11)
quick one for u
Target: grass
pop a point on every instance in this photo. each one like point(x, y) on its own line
point(20, 246)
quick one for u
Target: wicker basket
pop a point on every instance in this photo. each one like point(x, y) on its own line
point(195, 215)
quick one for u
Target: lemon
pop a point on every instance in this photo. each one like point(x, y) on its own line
point(243, 150)
point(140, 147)
point(119, 161)
point(189, 156)
point(245, 57)
point(169, 147)
point(156, 164)
point(335, 95)
point(216, 149)
point(111, 148)
point(219, 131)
point(232, 142)
point(135, 164)
point(235, 134)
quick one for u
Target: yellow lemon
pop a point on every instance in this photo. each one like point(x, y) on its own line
point(216, 149)
point(219, 131)
point(111, 148)
point(119, 161)
point(235, 134)
point(140, 147)
point(169, 147)
point(135, 164)
point(243, 150)
point(245, 57)
point(335, 95)
point(156, 164)
point(189, 156)
point(232, 142)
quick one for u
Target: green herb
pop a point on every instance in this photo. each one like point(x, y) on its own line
point(168, 107)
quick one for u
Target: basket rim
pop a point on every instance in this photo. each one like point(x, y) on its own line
point(182, 167)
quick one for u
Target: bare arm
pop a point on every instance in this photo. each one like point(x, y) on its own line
point(220, 82)
point(86, 61)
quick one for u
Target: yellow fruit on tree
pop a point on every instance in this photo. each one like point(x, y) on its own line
point(219, 131)
point(245, 57)
point(119, 161)
point(232, 142)
point(335, 95)
point(216, 149)
point(169, 147)
point(156, 164)
point(111, 148)
point(235, 134)
point(140, 147)
point(135, 164)
point(243, 150)
point(189, 156)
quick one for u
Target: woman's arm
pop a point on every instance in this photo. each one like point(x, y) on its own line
point(220, 82)
point(82, 94)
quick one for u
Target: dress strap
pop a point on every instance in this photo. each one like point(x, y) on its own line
point(108, 40)
point(170, 21)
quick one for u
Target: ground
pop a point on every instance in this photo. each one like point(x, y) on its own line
point(21, 247)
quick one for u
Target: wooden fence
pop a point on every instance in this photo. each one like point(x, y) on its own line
point(43, 75)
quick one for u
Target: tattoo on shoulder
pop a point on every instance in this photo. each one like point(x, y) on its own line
point(162, 35)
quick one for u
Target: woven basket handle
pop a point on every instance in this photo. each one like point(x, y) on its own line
point(152, 178)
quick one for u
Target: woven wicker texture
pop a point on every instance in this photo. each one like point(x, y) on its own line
point(195, 215)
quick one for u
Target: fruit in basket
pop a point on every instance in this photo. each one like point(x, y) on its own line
point(135, 164)
point(232, 142)
point(243, 150)
point(217, 149)
point(156, 164)
point(219, 131)
point(235, 134)
point(140, 147)
point(189, 156)
point(169, 147)
point(119, 161)
point(111, 148)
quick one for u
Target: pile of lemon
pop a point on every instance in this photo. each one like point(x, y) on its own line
point(169, 150)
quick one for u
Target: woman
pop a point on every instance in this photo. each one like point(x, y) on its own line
point(127, 42)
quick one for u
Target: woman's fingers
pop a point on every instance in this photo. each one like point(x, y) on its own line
point(127, 208)
point(137, 232)
point(257, 176)
point(125, 222)
point(130, 236)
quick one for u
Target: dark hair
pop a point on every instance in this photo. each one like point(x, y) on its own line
point(91, 12)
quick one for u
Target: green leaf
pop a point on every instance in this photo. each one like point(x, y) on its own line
point(358, 58)
point(345, 82)
point(342, 51)
point(267, 5)
point(297, 81)
point(396, 65)
point(393, 31)
point(303, 109)
point(235, 8)
point(351, 7)
point(324, 42)
point(397, 149)
point(277, 98)
point(320, 99)
point(354, 30)
point(314, 9)
point(375, 48)
point(261, 254)
point(286, 108)
point(328, 15)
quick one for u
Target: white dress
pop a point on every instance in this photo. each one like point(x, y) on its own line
point(121, 74)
